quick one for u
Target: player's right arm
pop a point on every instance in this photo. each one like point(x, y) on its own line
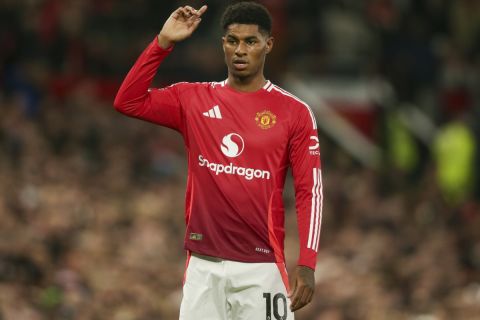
point(159, 106)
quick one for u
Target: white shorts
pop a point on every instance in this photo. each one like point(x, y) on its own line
point(223, 289)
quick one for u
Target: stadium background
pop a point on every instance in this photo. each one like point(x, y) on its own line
point(91, 203)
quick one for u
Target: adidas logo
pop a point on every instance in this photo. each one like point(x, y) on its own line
point(213, 113)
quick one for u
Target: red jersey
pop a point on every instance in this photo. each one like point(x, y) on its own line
point(239, 146)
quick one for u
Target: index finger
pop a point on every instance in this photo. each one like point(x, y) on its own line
point(201, 10)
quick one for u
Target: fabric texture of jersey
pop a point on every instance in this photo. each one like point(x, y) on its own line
point(239, 146)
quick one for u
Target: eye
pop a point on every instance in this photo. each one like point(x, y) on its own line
point(231, 41)
point(251, 42)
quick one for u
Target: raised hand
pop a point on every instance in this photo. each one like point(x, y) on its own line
point(180, 25)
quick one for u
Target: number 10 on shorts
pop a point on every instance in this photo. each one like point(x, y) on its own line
point(275, 302)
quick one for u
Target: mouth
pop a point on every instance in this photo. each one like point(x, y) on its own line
point(240, 64)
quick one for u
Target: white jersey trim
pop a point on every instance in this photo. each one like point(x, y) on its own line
point(318, 222)
point(316, 211)
point(267, 84)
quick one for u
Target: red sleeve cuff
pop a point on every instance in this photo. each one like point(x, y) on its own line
point(160, 49)
point(310, 262)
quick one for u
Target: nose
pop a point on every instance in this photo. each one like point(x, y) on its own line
point(241, 50)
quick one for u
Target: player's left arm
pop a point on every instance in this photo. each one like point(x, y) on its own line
point(304, 154)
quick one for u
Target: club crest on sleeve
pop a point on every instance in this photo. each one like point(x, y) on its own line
point(265, 119)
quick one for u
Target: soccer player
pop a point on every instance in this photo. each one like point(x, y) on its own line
point(241, 135)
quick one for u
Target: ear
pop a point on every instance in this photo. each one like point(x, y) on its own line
point(269, 44)
point(223, 44)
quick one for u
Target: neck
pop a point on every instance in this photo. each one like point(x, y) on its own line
point(246, 84)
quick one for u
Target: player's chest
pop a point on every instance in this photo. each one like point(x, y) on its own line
point(254, 123)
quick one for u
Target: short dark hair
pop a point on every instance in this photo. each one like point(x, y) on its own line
point(247, 12)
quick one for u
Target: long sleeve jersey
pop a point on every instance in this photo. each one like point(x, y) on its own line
point(239, 147)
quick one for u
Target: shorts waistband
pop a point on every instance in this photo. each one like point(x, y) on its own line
point(208, 258)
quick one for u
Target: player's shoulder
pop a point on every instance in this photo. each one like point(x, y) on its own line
point(296, 105)
point(184, 85)
point(289, 98)
point(193, 88)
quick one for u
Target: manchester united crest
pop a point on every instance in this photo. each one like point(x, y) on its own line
point(265, 119)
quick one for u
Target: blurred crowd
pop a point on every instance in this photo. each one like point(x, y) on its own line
point(91, 203)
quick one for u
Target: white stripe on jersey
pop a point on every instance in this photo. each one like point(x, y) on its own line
point(318, 221)
point(216, 109)
point(316, 211)
point(313, 210)
point(214, 84)
point(286, 93)
point(267, 84)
